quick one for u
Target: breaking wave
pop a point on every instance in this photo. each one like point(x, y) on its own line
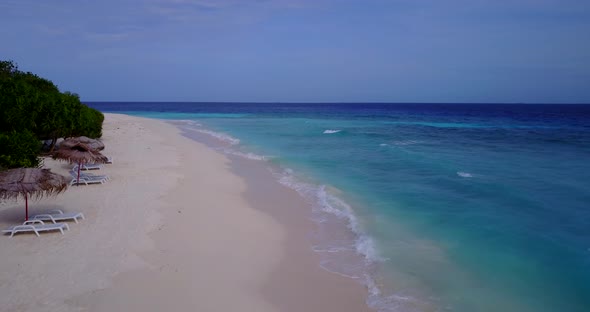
point(220, 136)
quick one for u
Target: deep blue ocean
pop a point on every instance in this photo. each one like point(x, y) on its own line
point(448, 207)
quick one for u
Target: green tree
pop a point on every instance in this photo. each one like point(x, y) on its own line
point(19, 149)
point(33, 107)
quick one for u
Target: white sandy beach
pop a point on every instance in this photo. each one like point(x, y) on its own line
point(173, 230)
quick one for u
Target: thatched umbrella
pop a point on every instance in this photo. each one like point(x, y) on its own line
point(30, 182)
point(92, 143)
point(79, 153)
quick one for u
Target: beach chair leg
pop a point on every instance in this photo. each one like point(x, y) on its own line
point(12, 234)
point(67, 226)
point(82, 216)
point(37, 233)
point(62, 231)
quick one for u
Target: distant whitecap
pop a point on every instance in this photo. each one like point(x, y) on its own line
point(406, 142)
point(464, 174)
point(330, 131)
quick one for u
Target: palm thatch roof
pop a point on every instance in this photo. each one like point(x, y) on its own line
point(92, 143)
point(31, 182)
point(79, 152)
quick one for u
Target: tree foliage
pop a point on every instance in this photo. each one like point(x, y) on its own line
point(19, 149)
point(32, 109)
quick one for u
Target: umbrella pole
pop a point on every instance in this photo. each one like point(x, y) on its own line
point(26, 207)
point(79, 165)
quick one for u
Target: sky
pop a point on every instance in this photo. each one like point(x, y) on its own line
point(457, 51)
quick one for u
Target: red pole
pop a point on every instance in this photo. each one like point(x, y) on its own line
point(26, 208)
point(79, 165)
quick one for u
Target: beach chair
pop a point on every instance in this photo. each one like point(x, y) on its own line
point(88, 167)
point(36, 226)
point(109, 159)
point(94, 176)
point(58, 215)
point(87, 179)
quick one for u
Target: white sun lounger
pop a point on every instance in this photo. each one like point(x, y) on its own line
point(89, 176)
point(36, 226)
point(87, 179)
point(88, 167)
point(94, 176)
point(58, 215)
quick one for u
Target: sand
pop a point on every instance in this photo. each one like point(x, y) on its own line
point(179, 227)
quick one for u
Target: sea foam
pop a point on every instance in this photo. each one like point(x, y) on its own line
point(330, 131)
point(338, 256)
point(247, 155)
point(186, 122)
point(219, 135)
point(325, 203)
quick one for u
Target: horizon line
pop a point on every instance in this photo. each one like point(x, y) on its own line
point(307, 102)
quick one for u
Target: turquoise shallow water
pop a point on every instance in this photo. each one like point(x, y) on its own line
point(452, 207)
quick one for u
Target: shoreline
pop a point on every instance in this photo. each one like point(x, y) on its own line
point(298, 215)
point(290, 283)
point(176, 228)
point(338, 245)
